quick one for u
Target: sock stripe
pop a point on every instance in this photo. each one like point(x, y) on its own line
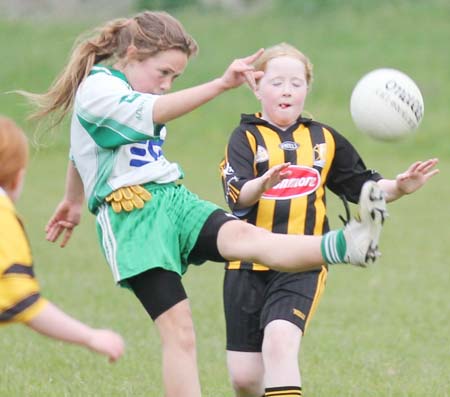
point(333, 247)
point(284, 391)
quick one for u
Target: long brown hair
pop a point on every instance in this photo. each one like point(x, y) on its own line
point(13, 150)
point(149, 32)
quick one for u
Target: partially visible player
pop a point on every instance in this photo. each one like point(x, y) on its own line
point(20, 298)
point(276, 169)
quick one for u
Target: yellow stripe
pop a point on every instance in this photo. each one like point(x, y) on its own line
point(272, 141)
point(252, 142)
point(318, 295)
point(233, 265)
point(266, 208)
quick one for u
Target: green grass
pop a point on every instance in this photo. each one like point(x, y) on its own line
point(378, 332)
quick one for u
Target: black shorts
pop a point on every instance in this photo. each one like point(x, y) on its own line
point(158, 289)
point(252, 299)
point(205, 249)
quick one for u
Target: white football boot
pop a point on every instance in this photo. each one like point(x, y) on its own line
point(363, 232)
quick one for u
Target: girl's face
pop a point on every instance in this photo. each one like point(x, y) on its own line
point(282, 91)
point(155, 74)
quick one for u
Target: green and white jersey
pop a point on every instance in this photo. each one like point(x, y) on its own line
point(114, 142)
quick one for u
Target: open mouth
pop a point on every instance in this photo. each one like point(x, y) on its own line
point(284, 105)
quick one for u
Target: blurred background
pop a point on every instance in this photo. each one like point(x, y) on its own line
point(378, 331)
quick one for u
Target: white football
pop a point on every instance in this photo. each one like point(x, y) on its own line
point(386, 104)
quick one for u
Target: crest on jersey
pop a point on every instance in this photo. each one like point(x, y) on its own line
point(302, 182)
point(320, 154)
point(261, 154)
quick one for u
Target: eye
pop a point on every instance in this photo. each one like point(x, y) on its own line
point(297, 83)
point(277, 83)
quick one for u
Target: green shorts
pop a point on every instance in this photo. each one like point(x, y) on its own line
point(162, 234)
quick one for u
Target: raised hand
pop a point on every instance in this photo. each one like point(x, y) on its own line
point(416, 175)
point(275, 175)
point(242, 71)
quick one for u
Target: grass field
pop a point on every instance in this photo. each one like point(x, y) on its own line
point(382, 331)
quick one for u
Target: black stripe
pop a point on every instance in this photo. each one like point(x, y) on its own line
point(317, 137)
point(19, 307)
point(283, 207)
point(17, 268)
point(281, 211)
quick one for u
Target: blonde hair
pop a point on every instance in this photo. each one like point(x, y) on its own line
point(13, 150)
point(281, 50)
point(148, 32)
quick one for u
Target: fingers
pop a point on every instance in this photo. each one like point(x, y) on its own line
point(50, 224)
point(66, 237)
point(425, 166)
point(55, 230)
point(250, 75)
point(252, 58)
point(52, 232)
point(429, 175)
point(250, 80)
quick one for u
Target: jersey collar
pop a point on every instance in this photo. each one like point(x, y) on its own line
point(99, 68)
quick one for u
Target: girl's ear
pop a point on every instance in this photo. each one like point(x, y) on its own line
point(131, 52)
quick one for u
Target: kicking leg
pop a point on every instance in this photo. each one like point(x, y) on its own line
point(357, 243)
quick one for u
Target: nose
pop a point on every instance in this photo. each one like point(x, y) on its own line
point(287, 90)
point(166, 85)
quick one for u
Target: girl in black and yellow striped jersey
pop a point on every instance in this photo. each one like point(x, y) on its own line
point(276, 169)
point(20, 298)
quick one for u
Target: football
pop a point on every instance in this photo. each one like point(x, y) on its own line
point(386, 104)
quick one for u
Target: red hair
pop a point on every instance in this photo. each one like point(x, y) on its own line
point(13, 150)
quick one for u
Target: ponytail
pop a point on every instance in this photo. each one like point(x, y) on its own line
point(86, 53)
point(149, 32)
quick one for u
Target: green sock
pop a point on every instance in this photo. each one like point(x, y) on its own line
point(333, 246)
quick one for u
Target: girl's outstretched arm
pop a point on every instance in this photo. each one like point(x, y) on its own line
point(252, 190)
point(173, 105)
point(68, 212)
point(409, 181)
point(56, 324)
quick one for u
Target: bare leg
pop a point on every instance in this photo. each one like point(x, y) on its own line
point(280, 353)
point(246, 371)
point(238, 240)
point(179, 357)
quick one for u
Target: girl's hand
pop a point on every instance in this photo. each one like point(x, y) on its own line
point(66, 216)
point(275, 175)
point(242, 71)
point(416, 176)
point(107, 342)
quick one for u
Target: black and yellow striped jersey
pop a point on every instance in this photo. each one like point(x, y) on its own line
point(320, 157)
point(20, 299)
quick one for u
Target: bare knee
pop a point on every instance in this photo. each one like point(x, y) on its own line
point(246, 373)
point(281, 341)
point(238, 240)
point(247, 385)
point(176, 328)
